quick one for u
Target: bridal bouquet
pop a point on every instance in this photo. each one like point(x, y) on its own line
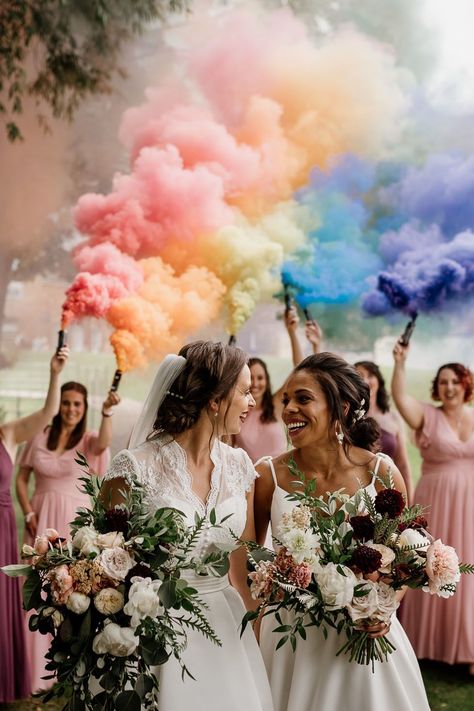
point(115, 598)
point(341, 562)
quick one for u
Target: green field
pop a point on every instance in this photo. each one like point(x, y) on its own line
point(449, 688)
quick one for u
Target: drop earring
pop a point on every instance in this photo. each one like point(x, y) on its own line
point(339, 434)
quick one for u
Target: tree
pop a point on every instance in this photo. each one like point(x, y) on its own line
point(61, 51)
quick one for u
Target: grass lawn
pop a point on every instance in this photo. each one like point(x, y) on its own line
point(449, 688)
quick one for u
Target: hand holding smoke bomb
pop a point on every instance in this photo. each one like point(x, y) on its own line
point(62, 339)
point(112, 399)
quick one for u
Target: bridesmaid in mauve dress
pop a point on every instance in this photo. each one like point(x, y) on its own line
point(443, 630)
point(14, 670)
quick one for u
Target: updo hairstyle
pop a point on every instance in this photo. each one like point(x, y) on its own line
point(343, 386)
point(211, 372)
point(464, 376)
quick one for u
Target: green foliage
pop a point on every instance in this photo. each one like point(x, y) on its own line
point(75, 45)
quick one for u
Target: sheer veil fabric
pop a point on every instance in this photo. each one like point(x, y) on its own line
point(169, 369)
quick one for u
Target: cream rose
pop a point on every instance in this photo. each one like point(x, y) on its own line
point(85, 540)
point(410, 537)
point(388, 556)
point(115, 640)
point(109, 601)
point(337, 590)
point(78, 602)
point(387, 602)
point(41, 545)
point(363, 607)
point(115, 562)
point(143, 600)
point(110, 540)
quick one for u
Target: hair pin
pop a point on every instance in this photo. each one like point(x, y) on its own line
point(359, 414)
point(169, 392)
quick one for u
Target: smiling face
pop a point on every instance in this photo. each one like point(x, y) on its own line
point(72, 408)
point(258, 381)
point(305, 410)
point(234, 410)
point(451, 392)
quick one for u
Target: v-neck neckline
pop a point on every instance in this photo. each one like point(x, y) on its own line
point(453, 431)
point(204, 504)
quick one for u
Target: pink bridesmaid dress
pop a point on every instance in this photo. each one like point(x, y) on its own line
point(55, 501)
point(443, 629)
point(261, 439)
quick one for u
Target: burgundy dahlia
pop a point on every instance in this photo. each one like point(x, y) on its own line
point(117, 519)
point(390, 502)
point(141, 570)
point(363, 527)
point(366, 559)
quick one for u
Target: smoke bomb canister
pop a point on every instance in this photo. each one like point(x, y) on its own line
point(116, 380)
point(232, 340)
point(307, 315)
point(408, 332)
point(62, 334)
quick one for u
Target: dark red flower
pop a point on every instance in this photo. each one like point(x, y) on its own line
point(366, 559)
point(418, 523)
point(363, 527)
point(117, 519)
point(141, 570)
point(390, 502)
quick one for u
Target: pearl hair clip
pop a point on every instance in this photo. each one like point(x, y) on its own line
point(359, 414)
point(169, 392)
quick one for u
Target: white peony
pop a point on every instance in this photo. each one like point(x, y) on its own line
point(301, 544)
point(116, 563)
point(410, 537)
point(388, 556)
point(110, 540)
point(85, 540)
point(78, 602)
point(115, 640)
point(361, 608)
point(109, 601)
point(143, 600)
point(337, 590)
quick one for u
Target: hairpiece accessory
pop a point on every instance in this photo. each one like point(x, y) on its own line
point(170, 392)
point(169, 369)
point(339, 434)
point(359, 414)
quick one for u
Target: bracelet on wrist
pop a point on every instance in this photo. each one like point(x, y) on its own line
point(29, 516)
point(105, 414)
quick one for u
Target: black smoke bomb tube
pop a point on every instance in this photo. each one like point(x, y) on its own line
point(404, 339)
point(232, 340)
point(62, 339)
point(307, 315)
point(287, 298)
point(116, 380)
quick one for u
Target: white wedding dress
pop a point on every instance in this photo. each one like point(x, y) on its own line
point(231, 677)
point(313, 679)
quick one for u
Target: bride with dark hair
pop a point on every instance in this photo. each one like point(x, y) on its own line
point(176, 454)
point(325, 403)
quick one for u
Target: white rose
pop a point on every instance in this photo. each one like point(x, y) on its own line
point(110, 540)
point(337, 590)
point(78, 602)
point(85, 540)
point(115, 640)
point(363, 607)
point(388, 556)
point(116, 563)
point(109, 601)
point(301, 544)
point(387, 602)
point(58, 618)
point(143, 600)
point(410, 537)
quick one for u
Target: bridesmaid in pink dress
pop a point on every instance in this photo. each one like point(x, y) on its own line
point(14, 670)
point(439, 629)
point(263, 433)
point(50, 455)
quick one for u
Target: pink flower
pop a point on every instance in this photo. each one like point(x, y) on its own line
point(41, 545)
point(51, 534)
point(442, 568)
point(262, 579)
point(61, 584)
point(300, 575)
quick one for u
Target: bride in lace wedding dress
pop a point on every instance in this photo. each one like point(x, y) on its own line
point(325, 403)
point(175, 452)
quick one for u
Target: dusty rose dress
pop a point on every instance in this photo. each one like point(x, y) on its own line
point(443, 629)
point(55, 501)
point(261, 439)
point(14, 671)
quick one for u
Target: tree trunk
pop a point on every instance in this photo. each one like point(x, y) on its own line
point(6, 262)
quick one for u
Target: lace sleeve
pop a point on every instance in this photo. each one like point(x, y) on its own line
point(248, 472)
point(124, 465)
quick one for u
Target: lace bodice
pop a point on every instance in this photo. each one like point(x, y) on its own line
point(161, 466)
